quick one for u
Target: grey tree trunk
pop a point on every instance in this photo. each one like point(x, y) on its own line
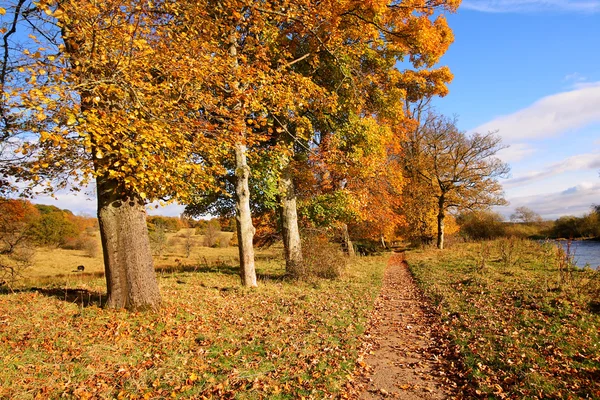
point(440, 219)
point(245, 229)
point(130, 278)
point(347, 243)
point(289, 221)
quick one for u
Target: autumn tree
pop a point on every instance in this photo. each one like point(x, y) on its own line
point(17, 218)
point(460, 169)
point(355, 145)
point(95, 95)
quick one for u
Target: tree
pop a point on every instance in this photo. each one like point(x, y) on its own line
point(95, 94)
point(370, 94)
point(525, 215)
point(17, 218)
point(460, 169)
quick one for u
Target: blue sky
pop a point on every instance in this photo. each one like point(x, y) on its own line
point(531, 71)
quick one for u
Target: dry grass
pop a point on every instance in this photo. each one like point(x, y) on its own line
point(211, 339)
point(54, 262)
point(525, 326)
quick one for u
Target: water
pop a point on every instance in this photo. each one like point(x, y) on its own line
point(585, 252)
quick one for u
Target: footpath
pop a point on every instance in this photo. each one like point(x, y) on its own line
point(405, 350)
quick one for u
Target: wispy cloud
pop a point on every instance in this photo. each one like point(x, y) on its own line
point(549, 116)
point(168, 210)
point(575, 200)
point(580, 162)
point(516, 152)
point(529, 6)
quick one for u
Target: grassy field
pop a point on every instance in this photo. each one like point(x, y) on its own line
point(53, 262)
point(526, 325)
point(211, 338)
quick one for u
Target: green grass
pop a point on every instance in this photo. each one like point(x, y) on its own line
point(525, 326)
point(211, 338)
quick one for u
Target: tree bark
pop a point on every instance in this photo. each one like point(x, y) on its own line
point(130, 278)
point(440, 219)
point(245, 229)
point(346, 242)
point(289, 221)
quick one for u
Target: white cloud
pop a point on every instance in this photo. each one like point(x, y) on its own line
point(168, 210)
point(85, 202)
point(550, 116)
point(575, 200)
point(528, 6)
point(580, 162)
point(516, 152)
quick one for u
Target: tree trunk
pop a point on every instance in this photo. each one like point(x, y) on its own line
point(440, 219)
point(130, 278)
point(346, 242)
point(383, 242)
point(245, 229)
point(289, 221)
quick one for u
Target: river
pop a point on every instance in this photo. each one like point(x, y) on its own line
point(586, 252)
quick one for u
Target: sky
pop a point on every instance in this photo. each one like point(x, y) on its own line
point(530, 71)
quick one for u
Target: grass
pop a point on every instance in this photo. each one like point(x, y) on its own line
point(60, 265)
point(525, 325)
point(211, 338)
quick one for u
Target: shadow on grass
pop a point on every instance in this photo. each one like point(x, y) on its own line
point(218, 268)
point(81, 297)
point(86, 298)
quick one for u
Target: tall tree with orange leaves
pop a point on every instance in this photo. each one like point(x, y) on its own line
point(357, 147)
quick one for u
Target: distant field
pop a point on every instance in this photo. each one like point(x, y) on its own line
point(53, 262)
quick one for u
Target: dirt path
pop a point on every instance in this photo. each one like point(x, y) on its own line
point(404, 359)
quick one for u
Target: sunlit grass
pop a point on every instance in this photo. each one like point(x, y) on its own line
point(212, 338)
point(526, 327)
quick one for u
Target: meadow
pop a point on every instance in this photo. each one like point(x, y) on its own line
point(525, 322)
point(212, 338)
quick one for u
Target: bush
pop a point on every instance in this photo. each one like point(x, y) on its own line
point(321, 258)
point(85, 242)
point(223, 242)
point(169, 224)
point(481, 225)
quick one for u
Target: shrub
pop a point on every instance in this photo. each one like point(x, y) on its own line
point(481, 225)
point(85, 242)
point(90, 247)
point(321, 258)
point(223, 242)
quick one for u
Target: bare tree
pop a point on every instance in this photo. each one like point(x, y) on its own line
point(460, 169)
point(525, 215)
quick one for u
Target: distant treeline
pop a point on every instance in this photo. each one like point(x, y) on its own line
point(527, 224)
point(174, 224)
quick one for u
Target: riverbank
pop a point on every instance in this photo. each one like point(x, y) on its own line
point(526, 325)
